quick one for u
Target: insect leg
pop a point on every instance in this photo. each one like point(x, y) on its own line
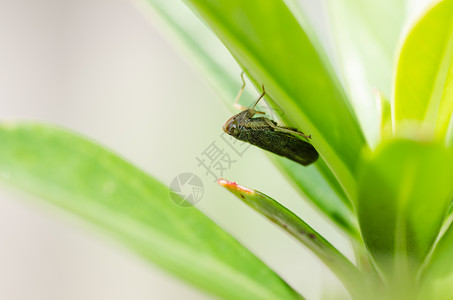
point(236, 104)
point(256, 102)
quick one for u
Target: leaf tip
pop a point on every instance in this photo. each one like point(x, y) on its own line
point(233, 186)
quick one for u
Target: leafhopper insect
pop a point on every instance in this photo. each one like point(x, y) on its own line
point(266, 134)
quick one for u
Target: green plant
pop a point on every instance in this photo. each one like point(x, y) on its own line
point(384, 176)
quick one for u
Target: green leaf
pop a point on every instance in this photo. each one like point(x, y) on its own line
point(404, 193)
point(437, 275)
point(366, 45)
point(268, 42)
point(385, 114)
point(316, 182)
point(424, 79)
point(326, 195)
point(271, 209)
point(82, 177)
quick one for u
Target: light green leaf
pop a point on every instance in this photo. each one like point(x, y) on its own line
point(268, 42)
point(385, 114)
point(315, 182)
point(404, 193)
point(424, 79)
point(82, 177)
point(366, 35)
point(437, 275)
point(348, 274)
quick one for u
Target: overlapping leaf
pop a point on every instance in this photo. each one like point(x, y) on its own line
point(348, 274)
point(437, 276)
point(266, 39)
point(404, 193)
point(316, 182)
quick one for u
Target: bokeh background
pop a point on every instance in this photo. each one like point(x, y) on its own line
point(101, 68)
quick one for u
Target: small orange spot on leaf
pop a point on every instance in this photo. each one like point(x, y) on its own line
point(234, 186)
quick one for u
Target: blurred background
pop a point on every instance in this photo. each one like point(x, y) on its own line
point(101, 68)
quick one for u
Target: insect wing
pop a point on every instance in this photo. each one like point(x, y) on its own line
point(283, 144)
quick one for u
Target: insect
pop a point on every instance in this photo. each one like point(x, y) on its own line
point(266, 134)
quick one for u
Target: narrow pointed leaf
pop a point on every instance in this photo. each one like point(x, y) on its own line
point(271, 209)
point(268, 42)
point(325, 195)
point(93, 183)
point(424, 80)
point(404, 193)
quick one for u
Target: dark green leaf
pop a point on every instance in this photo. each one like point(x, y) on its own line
point(271, 209)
